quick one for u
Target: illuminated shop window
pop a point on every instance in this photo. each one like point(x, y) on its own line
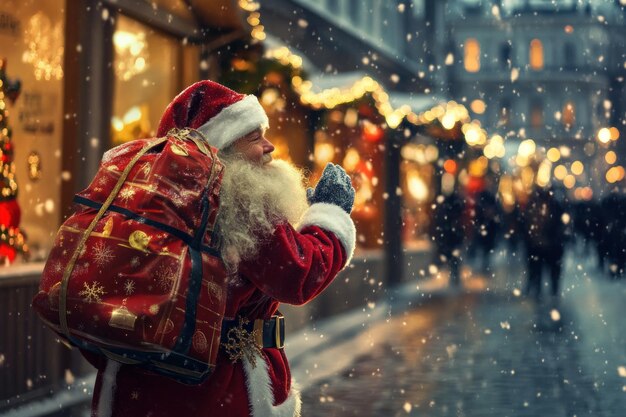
point(148, 74)
point(472, 55)
point(536, 114)
point(536, 54)
point(569, 114)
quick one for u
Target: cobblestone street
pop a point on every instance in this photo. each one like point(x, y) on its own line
point(491, 353)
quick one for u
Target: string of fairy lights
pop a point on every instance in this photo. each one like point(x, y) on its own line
point(447, 115)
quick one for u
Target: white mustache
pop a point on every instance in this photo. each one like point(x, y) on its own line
point(267, 158)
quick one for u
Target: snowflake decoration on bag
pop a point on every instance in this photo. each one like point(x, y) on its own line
point(127, 194)
point(129, 287)
point(92, 294)
point(166, 276)
point(102, 254)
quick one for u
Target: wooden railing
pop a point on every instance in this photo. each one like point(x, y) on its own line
point(33, 362)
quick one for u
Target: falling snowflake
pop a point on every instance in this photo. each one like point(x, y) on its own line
point(127, 194)
point(102, 254)
point(134, 262)
point(129, 287)
point(166, 277)
point(91, 294)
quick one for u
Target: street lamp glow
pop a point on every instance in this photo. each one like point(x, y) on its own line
point(560, 172)
point(543, 173)
point(577, 168)
point(527, 148)
point(610, 157)
point(604, 135)
point(448, 121)
point(553, 154)
point(478, 106)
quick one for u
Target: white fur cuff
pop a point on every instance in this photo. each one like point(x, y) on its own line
point(334, 219)
point(261, 396)
point(234, 122)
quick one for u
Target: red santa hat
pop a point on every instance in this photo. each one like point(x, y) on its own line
point(221, 114)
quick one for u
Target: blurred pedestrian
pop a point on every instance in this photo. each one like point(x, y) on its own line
point(485, 228)
point(448, 233)
point(544, 235)
point(613, 243)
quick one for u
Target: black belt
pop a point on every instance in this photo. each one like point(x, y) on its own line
point(268, 333)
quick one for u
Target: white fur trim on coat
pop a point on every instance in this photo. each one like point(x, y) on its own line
point(234, 122)
point(334, 219)
point(261, 395)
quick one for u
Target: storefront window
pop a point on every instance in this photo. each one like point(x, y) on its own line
point(472, 55)
point(569, 114)
point(418, 190)
point(32, 39)
point(536, 55)
point(148, 69)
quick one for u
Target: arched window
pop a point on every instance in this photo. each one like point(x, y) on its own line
point(536, 114)
point(505, 55)
point(569, 56)
point(472, 55)
point(568, 116)
point(536, 55)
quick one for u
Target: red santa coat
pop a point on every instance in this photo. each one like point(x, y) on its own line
point(292, 267)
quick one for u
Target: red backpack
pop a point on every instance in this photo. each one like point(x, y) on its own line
point(133, 274)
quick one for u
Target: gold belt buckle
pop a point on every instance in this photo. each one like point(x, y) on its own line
point(278, 319)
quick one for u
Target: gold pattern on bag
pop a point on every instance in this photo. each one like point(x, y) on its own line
point(108, 227)
point(179, 150)
point(139, 240)
point(53, 296)
point(121, 318)
point(214, 290)
point(199, 342)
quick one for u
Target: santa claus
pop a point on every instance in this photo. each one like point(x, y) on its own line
point(281, 245)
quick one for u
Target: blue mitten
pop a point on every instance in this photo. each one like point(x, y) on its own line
point(334, 187)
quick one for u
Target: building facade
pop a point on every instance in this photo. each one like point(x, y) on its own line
point(548, 71)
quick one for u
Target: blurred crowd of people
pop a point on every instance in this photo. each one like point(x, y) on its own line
point(468, 227)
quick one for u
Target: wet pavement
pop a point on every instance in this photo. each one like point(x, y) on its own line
point(491, 352)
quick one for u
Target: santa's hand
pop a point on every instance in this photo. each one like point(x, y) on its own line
point(334, 187)
point(309, 194)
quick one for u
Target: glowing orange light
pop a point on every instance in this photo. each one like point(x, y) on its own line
point(372, 132)
point(450, 166)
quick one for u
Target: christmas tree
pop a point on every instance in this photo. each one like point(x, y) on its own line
point(12, 241)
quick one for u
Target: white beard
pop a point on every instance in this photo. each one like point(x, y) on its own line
point(254, 199)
